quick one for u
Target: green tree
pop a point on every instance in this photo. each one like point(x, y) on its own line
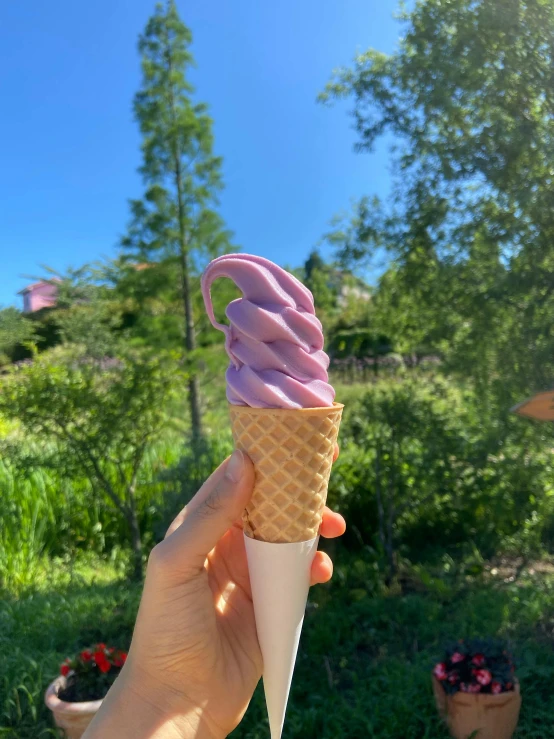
point(15, 330)
point(99, 416)
point(468, 97)
point(356, 237)
point(88, 312)
point(175, 228)
point(321, 279)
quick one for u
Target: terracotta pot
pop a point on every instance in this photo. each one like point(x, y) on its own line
point(491, 716)
point(73, 718)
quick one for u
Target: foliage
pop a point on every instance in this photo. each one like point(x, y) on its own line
point(463, 483)
point(467, 96)
point(476, 666)
point(91, 672)
point(357, 236)
point(15, 331)
point(408, 450)
point(174, 228)
point(423, 469)
point(324, 282)
point(87, 312)
point(186, 477)
point(365, 658)
point(48, 514)
point(100, 417)
point(357, 343)
point(343, 305)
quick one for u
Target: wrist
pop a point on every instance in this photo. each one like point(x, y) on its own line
point(135, 710)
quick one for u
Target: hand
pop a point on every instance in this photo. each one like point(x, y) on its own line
point(194, 660)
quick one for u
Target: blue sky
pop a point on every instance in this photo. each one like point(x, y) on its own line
point(69, 146)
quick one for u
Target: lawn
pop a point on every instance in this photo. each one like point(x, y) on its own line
point(366, 652)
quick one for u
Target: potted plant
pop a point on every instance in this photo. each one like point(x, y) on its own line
point(476, 690)
point(77, 693)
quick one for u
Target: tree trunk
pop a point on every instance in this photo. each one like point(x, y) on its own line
point(190, 346)
point(390, 545)
point(190, 334)
point(380, 511)
point(390, 520)
point(136, 543)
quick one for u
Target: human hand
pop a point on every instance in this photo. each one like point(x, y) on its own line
point(195, 660)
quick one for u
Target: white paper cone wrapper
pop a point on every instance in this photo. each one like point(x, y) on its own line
point(280, 580)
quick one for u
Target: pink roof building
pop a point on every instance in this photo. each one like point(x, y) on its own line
point(39, 295)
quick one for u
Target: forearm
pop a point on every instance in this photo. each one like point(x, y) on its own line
point(130, 713)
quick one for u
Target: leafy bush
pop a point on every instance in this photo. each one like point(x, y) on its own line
point(48, 514)
point(422, 469)
point(184, 478)
point(96, 417)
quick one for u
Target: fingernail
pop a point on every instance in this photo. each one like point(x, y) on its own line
point(235, 466)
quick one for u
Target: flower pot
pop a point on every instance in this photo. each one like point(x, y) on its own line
point(73, 718)
point(491, 716)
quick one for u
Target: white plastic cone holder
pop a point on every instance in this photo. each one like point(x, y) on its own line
point(280, 580)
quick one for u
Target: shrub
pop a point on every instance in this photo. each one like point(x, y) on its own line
point(96, 418)
point(422, 468)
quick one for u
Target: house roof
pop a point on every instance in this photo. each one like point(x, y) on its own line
point(28, 288)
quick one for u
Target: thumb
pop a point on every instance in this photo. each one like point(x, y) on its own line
point(219, 503)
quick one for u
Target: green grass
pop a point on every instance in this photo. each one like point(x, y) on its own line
point(47, 514)
point(364, 662)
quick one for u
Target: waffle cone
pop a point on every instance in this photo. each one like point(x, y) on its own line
point(292, 451)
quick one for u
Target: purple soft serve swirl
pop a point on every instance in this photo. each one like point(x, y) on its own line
point(274, 340)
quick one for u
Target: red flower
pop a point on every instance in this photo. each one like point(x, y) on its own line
point(457, 657)
point(483, 677)
point(86, 655)
point(478, 660)
point(64, 669)
point(101, 661)
point(440, 671)
point(473, 688)
point(119, 659)
point(496, 688)
point(453, 677)
point(100, 646)
point(464, 687)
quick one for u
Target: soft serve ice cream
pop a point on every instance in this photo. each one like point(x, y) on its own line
point(274, 340)
point(283, 416)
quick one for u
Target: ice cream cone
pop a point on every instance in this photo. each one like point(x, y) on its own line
point(292, 451)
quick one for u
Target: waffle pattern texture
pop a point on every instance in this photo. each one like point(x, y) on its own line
point(292, 451)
